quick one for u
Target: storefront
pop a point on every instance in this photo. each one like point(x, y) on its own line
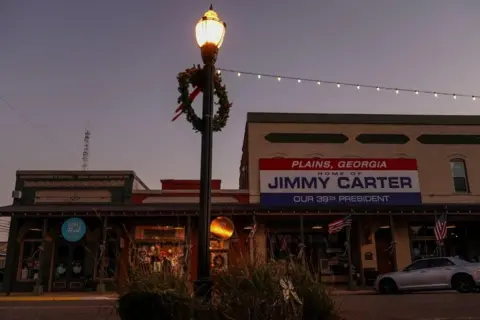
point(394, 174)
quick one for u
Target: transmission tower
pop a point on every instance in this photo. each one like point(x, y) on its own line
point(86, 150)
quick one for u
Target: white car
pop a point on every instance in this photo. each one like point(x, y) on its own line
point(440, 273)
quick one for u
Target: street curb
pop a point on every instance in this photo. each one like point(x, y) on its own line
point(353, 293)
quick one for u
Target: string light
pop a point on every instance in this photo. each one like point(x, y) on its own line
point(397, 90)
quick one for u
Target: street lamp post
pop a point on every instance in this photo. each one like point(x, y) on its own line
point(209, 31)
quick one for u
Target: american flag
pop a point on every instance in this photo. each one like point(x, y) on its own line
point(440, 230)
point(337, 225)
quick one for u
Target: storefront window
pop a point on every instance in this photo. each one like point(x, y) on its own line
point(326, 254)
point(423, 242)
point(160, 249)
point(29, 263)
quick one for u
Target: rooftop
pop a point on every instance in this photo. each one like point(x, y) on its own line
point(353, 118)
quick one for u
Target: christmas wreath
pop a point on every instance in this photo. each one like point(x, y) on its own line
point(194, 77)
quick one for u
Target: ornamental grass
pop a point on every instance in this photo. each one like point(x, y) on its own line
point(271, 291)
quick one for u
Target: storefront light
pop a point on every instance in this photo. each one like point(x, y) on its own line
point(317, 227)
point(385, 227)
point(451, 227)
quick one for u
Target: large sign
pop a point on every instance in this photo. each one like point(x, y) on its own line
point(287, 182)
point(73, 196)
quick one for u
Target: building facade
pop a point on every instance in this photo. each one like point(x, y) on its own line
point(87, 230)
point(393, 175)
point(392, 224)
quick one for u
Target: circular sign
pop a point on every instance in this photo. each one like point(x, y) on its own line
point(73, 229)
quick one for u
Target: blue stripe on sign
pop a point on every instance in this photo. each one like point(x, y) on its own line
point(293, 199)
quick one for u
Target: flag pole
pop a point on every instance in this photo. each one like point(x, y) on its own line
point(349, 253)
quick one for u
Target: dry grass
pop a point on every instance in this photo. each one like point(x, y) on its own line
point(249, 292)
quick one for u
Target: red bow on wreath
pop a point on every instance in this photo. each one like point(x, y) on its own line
point(193, 77)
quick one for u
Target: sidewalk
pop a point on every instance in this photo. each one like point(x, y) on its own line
point(67, 296)
point(91, 296)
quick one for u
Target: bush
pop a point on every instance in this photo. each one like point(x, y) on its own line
point(272, 291)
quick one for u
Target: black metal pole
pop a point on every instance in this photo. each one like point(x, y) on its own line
point(203, 284)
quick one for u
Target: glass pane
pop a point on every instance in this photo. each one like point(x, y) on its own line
point(418, 265)
point(438, 263)
point(458, 168)
point(30, 263)
point(78, 262)
point(460, 184)
point(63, 256)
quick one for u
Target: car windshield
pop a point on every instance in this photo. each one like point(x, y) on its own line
point(460, 262)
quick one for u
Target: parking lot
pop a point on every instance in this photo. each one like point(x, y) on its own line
point(418, 306)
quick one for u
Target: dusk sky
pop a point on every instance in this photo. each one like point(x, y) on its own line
point(111, 65)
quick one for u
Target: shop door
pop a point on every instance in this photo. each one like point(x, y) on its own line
point(69, 266)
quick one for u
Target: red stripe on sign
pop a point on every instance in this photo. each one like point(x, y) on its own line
point(337, 164)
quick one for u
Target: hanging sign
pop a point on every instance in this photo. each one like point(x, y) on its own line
point(339, 181)
point(73, 229)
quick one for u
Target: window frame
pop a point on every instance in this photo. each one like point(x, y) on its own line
point(465, 173)
point(20, 259)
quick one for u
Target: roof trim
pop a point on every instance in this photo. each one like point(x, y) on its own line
point(352, 118)
point(78, 172)
point(237, 209)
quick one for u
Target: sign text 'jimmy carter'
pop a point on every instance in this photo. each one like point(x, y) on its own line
point(339, 181)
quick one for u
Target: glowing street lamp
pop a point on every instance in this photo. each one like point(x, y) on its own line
point(210, 32)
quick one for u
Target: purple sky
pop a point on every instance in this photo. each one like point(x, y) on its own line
point(112, 65)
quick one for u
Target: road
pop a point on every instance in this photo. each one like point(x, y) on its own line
point(429, 306)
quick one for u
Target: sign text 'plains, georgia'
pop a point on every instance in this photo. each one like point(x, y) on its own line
point(339, 181)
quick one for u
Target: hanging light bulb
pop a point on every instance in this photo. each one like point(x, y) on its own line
point(416, 92)
point(239, 74)
point(319, 83)
point(299, 81)
point(259, 76)
point(378, 88)
point(474, 98)
point(454, 96)
point(279, 79)
point(358, 87)
point(396, 91)
point(436, 95)
point(338, 85)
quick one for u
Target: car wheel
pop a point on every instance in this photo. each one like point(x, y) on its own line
point(387, 286)
point(463, 283)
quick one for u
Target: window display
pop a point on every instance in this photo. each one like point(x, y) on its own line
point(162, 257)
point(160, 249)
point(29, 263)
